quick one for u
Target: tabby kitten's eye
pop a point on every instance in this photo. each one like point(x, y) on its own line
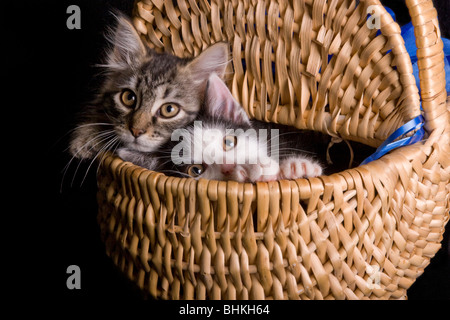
point(169, 110)
point(195, 170)
point(229, 142)
point(128, 98)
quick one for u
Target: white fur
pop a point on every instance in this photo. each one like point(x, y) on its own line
point(297, 167)
point(250, 160)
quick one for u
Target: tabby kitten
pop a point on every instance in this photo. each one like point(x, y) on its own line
point(224, 144)
point(145, 95)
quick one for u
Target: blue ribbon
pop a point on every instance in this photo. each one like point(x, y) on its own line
point(392, 143)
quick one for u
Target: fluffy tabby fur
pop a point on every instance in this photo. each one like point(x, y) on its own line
point(154, 79)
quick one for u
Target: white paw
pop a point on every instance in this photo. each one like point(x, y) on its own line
point(297, 167)
point(267, 171)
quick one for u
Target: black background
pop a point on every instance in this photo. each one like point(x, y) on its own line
point(51, 221)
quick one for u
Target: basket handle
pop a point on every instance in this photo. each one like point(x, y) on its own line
point(430, 57)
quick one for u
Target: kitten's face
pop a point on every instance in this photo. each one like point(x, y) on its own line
point(145, 96)
point(146, 104)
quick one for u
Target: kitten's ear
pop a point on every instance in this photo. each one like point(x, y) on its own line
point(219, 102)
point(212, 60)
point(127, 47)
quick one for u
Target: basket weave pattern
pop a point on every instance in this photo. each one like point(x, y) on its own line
point(366, 232)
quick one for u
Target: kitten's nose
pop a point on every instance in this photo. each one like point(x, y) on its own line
point(227, 168)
point(136, 132)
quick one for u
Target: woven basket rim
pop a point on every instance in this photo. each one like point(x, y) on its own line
point(131, 171)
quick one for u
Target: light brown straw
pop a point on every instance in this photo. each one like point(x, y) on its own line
point(366, 232)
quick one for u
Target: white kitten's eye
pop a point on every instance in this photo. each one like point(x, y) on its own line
point(195, 170)
point(128, 98)
point(169, 110)
point(229, 142)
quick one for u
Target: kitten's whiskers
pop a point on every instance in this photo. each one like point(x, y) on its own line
point(104, 135)
point(102, 152)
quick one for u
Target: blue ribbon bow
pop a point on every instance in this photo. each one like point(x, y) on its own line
point(392, 143)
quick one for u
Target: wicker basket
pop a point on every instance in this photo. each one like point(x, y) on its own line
point(366, 232)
